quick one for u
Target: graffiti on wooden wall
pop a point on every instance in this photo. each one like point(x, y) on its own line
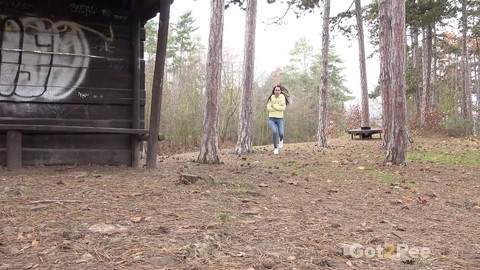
point(45, 60)
point(40, 58)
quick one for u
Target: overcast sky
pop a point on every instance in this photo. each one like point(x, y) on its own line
point(274, 42)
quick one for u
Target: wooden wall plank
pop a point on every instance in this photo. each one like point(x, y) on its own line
point(81, 95)
point(68, 111)
point(3, 140)
point(85, 94)
point(3, 156)
point(77, 141)
point(101, 11)
point(69, 63)
point(97, 79)
point(68, 27)
point(70, 122)
point(76, 156)
point(50, 47)
point(14, 150)
point(136, 73)
point(61, 149)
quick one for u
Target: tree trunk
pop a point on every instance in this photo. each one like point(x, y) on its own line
point(209, 152)
point(477, 79)
point(157, 85)
point(435, 90)
point(427, 71)
point(416, 70)
point(466, 102)
point(245, 121)
point(322, 114)
point(397, 144)
point(478, 102)
point(363, 69)
point(385, 79)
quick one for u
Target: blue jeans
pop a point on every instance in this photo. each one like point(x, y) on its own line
point(276, 124)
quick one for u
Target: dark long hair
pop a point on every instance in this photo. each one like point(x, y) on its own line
point(283, 90)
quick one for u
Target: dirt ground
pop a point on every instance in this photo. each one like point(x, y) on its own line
point(307, 208)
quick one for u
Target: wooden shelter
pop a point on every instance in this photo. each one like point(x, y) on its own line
point(72, 81)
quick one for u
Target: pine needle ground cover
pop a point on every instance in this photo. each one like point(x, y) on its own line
point(307, 208)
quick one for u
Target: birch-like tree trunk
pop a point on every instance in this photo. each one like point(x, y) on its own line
point(322, 111)
point(385, 73)
point(245, 121)
point(427, 71)
point(466, 102)
point(365, 119)
point(397, 144)
point(209, 152)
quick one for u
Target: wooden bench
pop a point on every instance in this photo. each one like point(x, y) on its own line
point(365, 133)
point(14, 136)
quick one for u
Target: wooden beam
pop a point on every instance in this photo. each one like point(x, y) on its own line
point(70, 129)
point(160, 137)
point(157, 87)
point(14, 150)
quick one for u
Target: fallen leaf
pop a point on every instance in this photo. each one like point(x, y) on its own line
point(349, 263)
point(78, 175)
point(34, 243)
point(85, 258)
point(107, 228)
point(136, 219)
point(361, 168)
point(421, 200)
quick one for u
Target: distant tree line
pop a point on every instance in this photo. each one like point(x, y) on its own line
point(441, 88)
point(184, 90)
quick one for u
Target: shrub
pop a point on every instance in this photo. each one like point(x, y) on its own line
point(456, 127)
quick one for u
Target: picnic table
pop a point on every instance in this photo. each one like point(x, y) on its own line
point(365, 133)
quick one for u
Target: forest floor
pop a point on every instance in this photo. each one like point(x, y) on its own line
point(307, 208)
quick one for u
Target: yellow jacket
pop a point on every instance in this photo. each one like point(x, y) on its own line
point(276, 106)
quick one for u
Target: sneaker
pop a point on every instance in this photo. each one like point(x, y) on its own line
point(275, 151)
point(280, 144)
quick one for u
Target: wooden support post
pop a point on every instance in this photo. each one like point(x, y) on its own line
point(157, 87)
point(14, 150)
